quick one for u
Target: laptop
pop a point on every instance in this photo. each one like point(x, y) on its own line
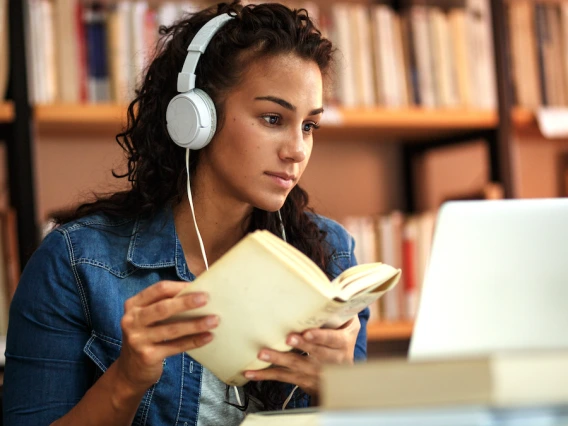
point(497, 279)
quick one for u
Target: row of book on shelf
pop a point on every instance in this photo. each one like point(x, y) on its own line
point(422, 55)
point(539, 52)
point(402, 241)
point(427, 55)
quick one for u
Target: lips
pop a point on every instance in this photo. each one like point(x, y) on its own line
point(284, 176)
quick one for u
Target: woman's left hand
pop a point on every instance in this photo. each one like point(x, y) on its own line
point(324, 346)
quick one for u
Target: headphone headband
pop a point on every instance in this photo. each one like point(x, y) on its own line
point(186, 78)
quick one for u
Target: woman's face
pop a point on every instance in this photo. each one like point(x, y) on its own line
point(266, 139)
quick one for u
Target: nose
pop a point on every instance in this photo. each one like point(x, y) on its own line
point(294, 148)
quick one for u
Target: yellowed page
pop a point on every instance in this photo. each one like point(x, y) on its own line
point(295, 257)
point(366, 284)
point(365, 278)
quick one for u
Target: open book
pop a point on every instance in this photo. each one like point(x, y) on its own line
point(263, 289)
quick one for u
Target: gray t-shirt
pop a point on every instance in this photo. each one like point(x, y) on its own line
point(213, 410)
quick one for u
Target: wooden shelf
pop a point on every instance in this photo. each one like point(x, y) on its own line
point(523, 118)
point(389, 330)
point(6, 112)
point(68, 117)
point(413, 124)
point(416, 118)
point(524, 122)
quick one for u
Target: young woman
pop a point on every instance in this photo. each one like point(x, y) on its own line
point(86, 344)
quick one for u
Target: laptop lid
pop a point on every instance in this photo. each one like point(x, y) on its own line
point(497, 279)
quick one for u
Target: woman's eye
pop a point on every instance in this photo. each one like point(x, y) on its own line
point(271, 119)
point(309, 127)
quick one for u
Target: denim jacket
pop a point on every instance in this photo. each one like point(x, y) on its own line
point(64, 325)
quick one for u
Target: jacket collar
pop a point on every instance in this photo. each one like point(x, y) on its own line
point(155, 244)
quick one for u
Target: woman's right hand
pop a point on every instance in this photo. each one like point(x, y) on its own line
point(147, 341)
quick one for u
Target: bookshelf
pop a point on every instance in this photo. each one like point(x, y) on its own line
point(378, 331)
point(19, 138)
point(403, 127)
point(421, 125)
point(523, 118)
point(525, 124)
point(6, 112)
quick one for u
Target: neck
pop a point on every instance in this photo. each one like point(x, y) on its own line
point(221, 226)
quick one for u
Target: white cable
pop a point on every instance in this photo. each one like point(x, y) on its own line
point(237, 395)
point(291, 393)
point(199, 238)
point(193, 211)
point(289, 397)
point(282, 230)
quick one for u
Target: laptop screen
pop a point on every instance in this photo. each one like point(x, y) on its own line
point(497, 279)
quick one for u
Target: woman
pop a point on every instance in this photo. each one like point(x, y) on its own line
point(86, 344)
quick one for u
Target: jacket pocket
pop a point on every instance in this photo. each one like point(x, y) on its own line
point(102, 350)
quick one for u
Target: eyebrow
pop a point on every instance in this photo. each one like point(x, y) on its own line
point(285, 104)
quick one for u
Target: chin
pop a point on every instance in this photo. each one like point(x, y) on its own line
point(271, 203)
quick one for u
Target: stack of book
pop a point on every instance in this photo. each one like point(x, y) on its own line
point(521, 388)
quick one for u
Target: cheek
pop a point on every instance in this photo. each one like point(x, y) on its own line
point(308, 156)
point(309, 147)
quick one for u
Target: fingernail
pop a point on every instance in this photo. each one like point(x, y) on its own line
point(293, 341)
point(249, 375)
point(207, 338)
point(264, 356)
point(199, 299)
point(309, 336)
point(212, 321)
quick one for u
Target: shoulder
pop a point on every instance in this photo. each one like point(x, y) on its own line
point(97, 237)
point(96, 226)
point(339, 240)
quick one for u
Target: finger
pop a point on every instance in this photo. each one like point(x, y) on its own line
point(164, 309)
point(334, 339)
point(186, 343)
point(179, 329)
point(160, 290)
point(308, 383)
point(321, 353)
point(290, 360)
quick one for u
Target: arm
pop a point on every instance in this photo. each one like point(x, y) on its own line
point(46, 372)
point(48, 378)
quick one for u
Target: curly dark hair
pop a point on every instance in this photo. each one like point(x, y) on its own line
point(156, 167)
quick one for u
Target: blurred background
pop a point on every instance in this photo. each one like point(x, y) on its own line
point(432, 100)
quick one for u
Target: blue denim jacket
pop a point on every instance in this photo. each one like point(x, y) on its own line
point(64, 326)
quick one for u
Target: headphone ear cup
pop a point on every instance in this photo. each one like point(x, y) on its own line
point(191, 119)
point(211, 116)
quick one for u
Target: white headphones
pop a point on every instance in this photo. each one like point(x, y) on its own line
point(191, 117)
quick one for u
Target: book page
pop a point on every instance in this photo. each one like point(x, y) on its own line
point(364, 285)
point(366, 278)
point(294, 257)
